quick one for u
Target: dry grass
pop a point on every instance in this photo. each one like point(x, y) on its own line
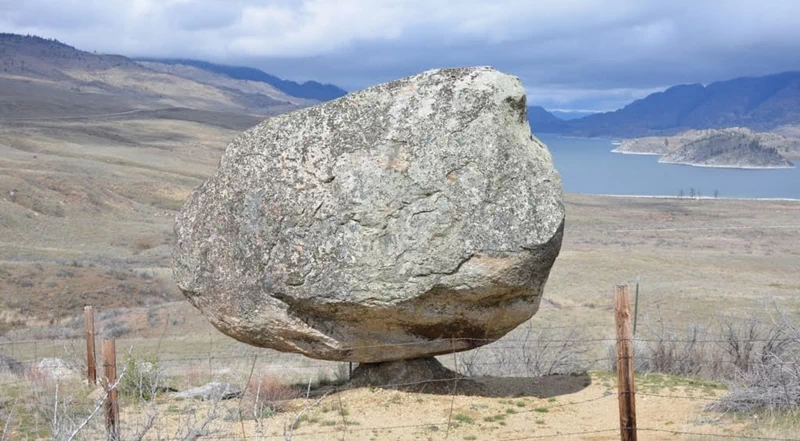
point(267, 395)
point(90, 220)
point(105, 193)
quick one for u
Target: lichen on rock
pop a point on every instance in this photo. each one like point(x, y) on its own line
point(413, 218)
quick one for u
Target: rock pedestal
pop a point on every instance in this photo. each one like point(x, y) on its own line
point(418, 374)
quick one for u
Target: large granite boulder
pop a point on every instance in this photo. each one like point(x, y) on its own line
point(414, 218)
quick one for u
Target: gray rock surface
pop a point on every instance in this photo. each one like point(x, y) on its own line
point(414, 218)
point(57, 368)
point(11, 366)
point(211, 391)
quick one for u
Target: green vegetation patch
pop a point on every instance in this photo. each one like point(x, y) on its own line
point(461, 418)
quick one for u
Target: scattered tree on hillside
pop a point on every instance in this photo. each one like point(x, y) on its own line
point(691, 192)
point(680, 193)
point(716, 194)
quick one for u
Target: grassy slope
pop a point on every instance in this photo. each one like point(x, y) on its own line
point(105, 192)
point(86, 211)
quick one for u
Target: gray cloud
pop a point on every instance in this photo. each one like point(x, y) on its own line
point(201, 15)
point(589, 54)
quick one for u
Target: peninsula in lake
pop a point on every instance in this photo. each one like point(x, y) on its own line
point(732, 147)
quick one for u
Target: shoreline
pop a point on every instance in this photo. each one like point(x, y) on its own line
point(688, 198)
point(740, 167)
point(635, 153)
point(691, 164)
point(558, 135)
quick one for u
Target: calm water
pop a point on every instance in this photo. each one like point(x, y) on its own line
point(588, 166)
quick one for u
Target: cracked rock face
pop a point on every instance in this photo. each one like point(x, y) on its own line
point(411, 219)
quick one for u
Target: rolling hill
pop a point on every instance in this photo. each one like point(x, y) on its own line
point(97, 152)
point(44, 78)
point(727, 148)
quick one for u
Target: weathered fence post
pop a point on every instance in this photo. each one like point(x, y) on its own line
point(91, 367)
point(112, 396)
point(625, 370)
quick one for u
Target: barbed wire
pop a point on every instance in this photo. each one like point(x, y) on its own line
point(80, 338)
point(705, 314)
point(561, 434)
point(227, 351)
point(688, 397)
point(715, 435)
point(502, 344)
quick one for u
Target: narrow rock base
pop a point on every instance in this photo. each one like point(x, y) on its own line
point(418, 375)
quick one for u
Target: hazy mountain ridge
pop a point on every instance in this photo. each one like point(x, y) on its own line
point(34, 56)
point(543, 121)
point(567, 115)
point(225, 82)
point(309, 89)
point(759, 103)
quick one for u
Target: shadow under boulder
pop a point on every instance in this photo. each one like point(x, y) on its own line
point(417, 375)
point(428, 375)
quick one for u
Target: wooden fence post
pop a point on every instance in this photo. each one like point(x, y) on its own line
point(91, 367)
point(636, 305)
point(112, 397)
point(625, 370)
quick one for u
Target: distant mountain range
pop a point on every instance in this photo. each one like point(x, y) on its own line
point(759, 103)
point(571, 114)
point(44, 78)
point(545, 122)
point(310, 89)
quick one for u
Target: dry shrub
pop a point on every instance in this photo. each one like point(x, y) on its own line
point(767, 368)
point(685, 353)
point(539, 352)
point(733, 347)
point(38, 378)
point(267, 395)
point(193, 377)
point(145, 243)
point(758, 360)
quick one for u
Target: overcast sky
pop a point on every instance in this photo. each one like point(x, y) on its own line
point(570, 54)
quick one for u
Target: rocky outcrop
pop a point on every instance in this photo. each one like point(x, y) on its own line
point(414, 218)
point(56, 369)
point(213, 391)
point(11, 366)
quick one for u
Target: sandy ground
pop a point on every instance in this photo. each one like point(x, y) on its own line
point(559, 407)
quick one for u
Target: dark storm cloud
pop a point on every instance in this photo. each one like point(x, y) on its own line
point(588, 54)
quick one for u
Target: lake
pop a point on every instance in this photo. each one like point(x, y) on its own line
point(588, 166)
